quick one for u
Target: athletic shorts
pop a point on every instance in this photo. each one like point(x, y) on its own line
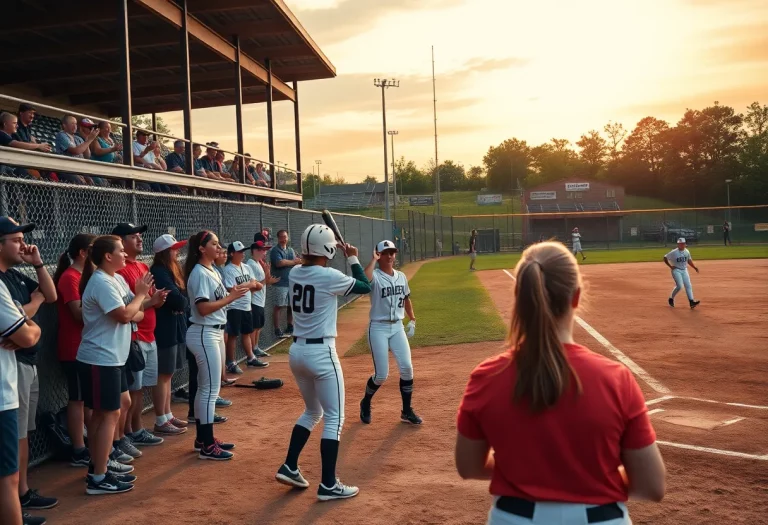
point(9, 437)
point(239, 322)
point(281, 296)
point(148, 376)
point(257, 317)
point(473, 255)
point(74, 389)
point(29, 395)
point(171, 358)
point(102, 385)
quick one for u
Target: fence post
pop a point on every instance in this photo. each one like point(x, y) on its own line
point(134, 211)
point(493, 231)
point(424, 229)
point(453, 239)
point(261, 218)
point(221, 224)
point(4, 199)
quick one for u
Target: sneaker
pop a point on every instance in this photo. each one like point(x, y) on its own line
point(290, 477)
point(410, 417)
point(34, 501)
point(120, 456)
point(126, 445)
point(289, 330)
point(144, 438)
point(124, 478)
point(168, 429)
point(179, 423)
point(118, 468)
point(80, 459)
point(258, 352)
point(694, 304)
point(180, 396)
point(232, 368)
point(583, 257)
point(256, 363)
point(365, 412)
point(228, 382)
point(28, 519)
point(338, 491)
point(219, 419)
point(215, 453)
point(279, 333)
point(220, 443)
point(221, 402)
point(109, 485)
point(671, 302)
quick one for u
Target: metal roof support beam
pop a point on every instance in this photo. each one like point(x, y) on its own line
point(270, 131)
point(239, 106)
point(125, 82)
point(186, 91)
point(298, 139)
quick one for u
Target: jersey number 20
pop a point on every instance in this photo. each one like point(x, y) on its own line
point(303, 298)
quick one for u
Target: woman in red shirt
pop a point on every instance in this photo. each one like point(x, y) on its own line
point(562, 433)
point(67, 281)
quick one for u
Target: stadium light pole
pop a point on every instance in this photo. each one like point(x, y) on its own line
point(385, 83)
point(317, 182)
point(392, 134)
point(728, 192)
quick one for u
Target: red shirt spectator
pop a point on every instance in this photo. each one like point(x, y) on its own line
point(70, 329)
point(132, 272)
point(570, 452)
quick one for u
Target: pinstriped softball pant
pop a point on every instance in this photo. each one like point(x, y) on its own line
point(206, 343)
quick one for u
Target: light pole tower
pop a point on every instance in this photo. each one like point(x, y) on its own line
point(384, 83)
point(317, 182)
point(392, 134)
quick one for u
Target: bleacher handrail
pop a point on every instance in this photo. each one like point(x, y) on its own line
point(61, 110)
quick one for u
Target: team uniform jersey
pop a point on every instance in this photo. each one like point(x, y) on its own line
point(12, 318)
point(388, 295)
point(576, 239)
point(258, 298)
point(235, 275)
point(204, 284)
point(679, 259)
point(313, 291)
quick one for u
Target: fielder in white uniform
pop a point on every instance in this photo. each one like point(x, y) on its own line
point(390, 301)
point(576, 242)
point(313, 289)
point(678, 260)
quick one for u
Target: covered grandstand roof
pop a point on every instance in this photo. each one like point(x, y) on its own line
point(69, 52)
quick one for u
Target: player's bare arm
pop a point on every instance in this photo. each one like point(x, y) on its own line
point(255, 285)
point(690, 261)
point(666, 261)
point(30, 254)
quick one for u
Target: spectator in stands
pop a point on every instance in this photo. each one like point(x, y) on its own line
point(209, 163)
point(282, 258)
point(175, 161)
point(22, 332)
point(159, 157)
point(263, 178)
point(171, 327)
point(84, 130)
point(30, 295)
point(104, 148)
point(200, 170)
point(69, 143)
point(26, 115)
point(223, 171)
point(234, 172)
point(10, 137)
point(70, 310)
point(144, 151)
point(251, 170)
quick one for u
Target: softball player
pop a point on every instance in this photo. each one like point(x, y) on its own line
point(576, 241)
point(312, 357)
point(678, 260)
point(205, 340)
point(261, 273)
point(390, 301)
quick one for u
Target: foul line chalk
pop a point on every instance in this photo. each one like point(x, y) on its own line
point(618, 354)
point(732, 421)
point(655, 411)
point(741, 405)
point(659, 400)
point(714, 451)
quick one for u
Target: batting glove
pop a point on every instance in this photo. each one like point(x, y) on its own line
point(410, 329)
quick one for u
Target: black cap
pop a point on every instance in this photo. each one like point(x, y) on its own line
point(8, 225)
point(126, 228)
point(26, 107)
point(260, 237)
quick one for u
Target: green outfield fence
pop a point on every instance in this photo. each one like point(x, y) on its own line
point(61, 210)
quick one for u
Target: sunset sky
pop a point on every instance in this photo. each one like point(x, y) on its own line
point(505, 68)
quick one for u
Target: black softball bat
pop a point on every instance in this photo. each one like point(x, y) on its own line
point(331, 223)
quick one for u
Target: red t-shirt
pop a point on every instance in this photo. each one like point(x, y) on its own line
point(70, 330)
point(569, 453)
point(131, 273)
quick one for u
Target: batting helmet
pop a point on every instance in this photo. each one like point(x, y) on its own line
point(319, 240)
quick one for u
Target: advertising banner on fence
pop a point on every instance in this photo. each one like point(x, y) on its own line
point(576, 186)
point(489, 200)
point(543, 195)
point(422, 200)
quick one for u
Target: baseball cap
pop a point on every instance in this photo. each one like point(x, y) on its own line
point(260, 237)
point(236, 246)
point(166, 241)
point(260, 245)
point(8, 226)
point(26, 107)
point(87, 123)
point(385, 245)
point(681, 240)
point(126, 228)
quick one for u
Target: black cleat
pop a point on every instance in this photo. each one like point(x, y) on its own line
point(365, 412)
point(671, 302)
point(410, 417)
point(694, 304)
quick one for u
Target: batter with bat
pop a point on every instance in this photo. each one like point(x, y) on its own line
point(312, 357)
point(678, 260)
point(390, 301)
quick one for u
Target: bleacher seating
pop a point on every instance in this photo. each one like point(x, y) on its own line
point(572, 207)
point(340, 201)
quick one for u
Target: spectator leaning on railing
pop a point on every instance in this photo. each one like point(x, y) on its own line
point(9, 135)
point(104, 148)
point(209, 163)
point(85, 129)
point(26, 115)
point(175, 161)
point(225, 174)
point(144, 151)
point(70, 144)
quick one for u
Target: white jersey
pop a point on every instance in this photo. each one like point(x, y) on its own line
point(204, 284)
point(12, 317)
point(576, 238)
point(258, 298)
point(313, 291)
point(679, 259)
point(388, 294)
point(235, 275)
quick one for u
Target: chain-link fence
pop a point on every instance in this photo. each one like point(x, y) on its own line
point(61, 211)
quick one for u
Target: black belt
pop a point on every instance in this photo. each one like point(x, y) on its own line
point(525, 509)
point(316, 341)
point(216, 326)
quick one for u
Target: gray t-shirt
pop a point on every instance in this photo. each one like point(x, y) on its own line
point(64, 141)
point(12, 318)
point(233, 276)
point(204, 284)
point(106, 342)
point(258, 298)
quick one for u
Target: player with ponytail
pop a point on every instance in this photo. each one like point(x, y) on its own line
point(562, 433)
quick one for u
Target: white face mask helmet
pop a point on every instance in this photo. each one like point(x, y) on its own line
point(319, 240)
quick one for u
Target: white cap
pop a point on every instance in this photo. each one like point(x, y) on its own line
point(385, 245)
point(166, 241)
point(681, 240)
point(236, 246)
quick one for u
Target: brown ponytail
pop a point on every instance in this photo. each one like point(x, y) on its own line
point(96, 252)
point(547, 278)
point(79, 242)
